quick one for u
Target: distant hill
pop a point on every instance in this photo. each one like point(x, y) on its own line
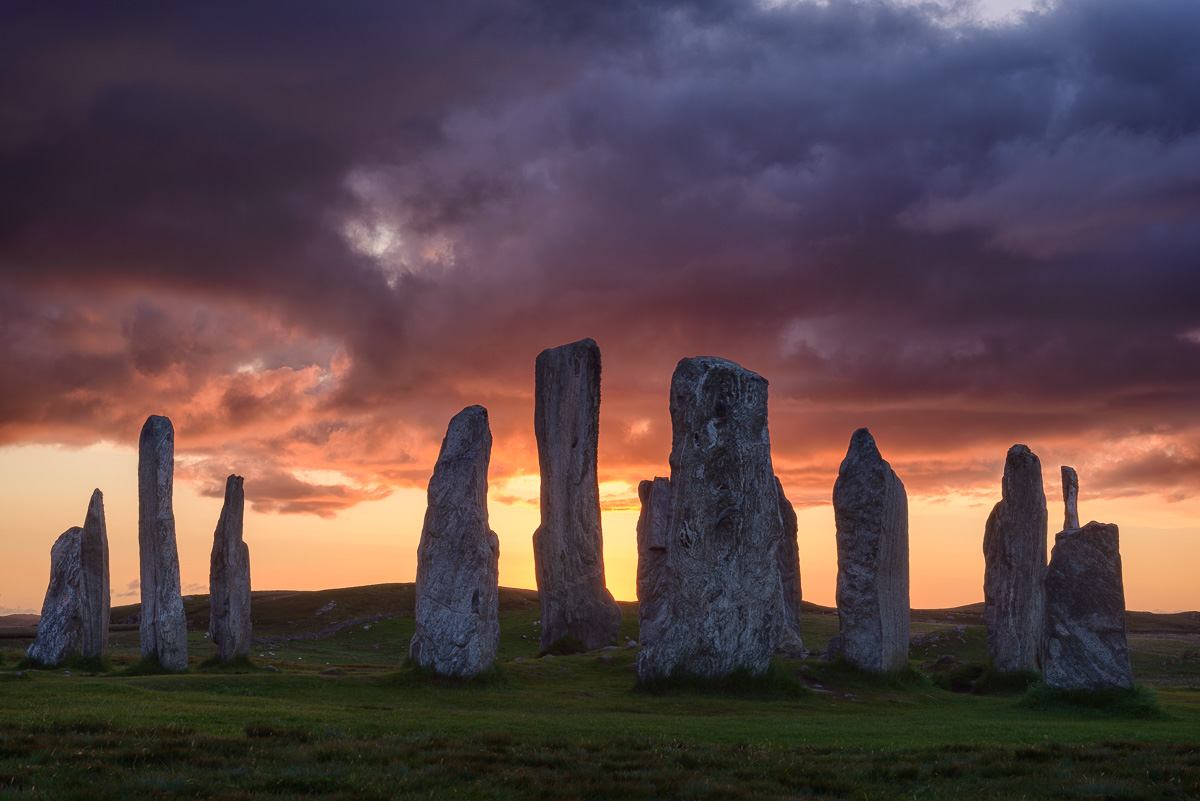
point(292, 611)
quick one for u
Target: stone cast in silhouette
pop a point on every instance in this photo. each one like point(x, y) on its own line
point(163, 625)
point(870, 509)
point(568, 548)
point(1014, 550)
point(457, 593)
point(75, 612)
point(229, 578)
point(721, 606)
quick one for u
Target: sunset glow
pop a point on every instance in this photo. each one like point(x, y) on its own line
point(310, 238)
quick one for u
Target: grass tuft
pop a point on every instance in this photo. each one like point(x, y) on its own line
point(1140, 702)
point(770, 684)
point(564, 646)
point(413, 675)
point(147, 667)
point(239, 664)
point(841, 673)
point(994, 682)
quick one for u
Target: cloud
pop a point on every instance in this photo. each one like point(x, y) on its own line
point(312, 237)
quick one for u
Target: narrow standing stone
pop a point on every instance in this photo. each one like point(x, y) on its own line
point(1014, 550)
point(61, 623)
point(93, 580)
point(1084, 644)
point(723, 604)
point(163, 625)
point(870, 510)
point(568, 548)
point(1070, 486)
point(457, 606)
point(788, 641)
point(229, 578)
point(652, 536)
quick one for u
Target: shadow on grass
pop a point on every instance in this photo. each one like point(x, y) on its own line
point(93, 664)
point(149, 667)
point(980, 679)
point(239, 664)
point(843, 674)
point(413, 675)
point(564, 646)
point(1140, 702)
point(771, 684)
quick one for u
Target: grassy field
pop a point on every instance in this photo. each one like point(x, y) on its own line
point(328, 710)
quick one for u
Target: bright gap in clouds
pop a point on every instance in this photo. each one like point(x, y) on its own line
point(990, 11)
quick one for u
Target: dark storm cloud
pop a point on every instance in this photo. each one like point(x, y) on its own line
point(334, 217)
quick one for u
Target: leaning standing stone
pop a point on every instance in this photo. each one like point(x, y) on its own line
point(788, 642)
point(93, 581)
point(1070, 486)
point(1084, 644)
point(61, 623)
point(652, 538)
point(163, 625)
point(229, 578)
point(870, 509)
point(1014, 550)
point(723, 604)
point(568, 548)
point(457, 606)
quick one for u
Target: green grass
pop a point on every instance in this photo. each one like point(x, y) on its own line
point(773, 683)
point(577, 725)
point(1139, 702)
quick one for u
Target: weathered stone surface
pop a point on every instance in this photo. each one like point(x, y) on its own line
point(1014, 551)
point(723, 600)
point(1070, 487)
point(163, 625)
point(1084, 644)
point(788, 641)
point(61, 624)
point(93, 581)
point(229, 578)
point(870, 509)
point(652, 535)
point(568, 548)
point(457, 606)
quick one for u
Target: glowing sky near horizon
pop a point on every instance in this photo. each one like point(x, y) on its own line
point(312, 237)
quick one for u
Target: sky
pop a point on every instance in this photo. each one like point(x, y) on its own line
point(310, 233)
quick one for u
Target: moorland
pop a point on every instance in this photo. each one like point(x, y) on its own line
point(327, 708)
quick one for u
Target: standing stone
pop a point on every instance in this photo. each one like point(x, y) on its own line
point(723, 600)
point(229, 578)
point(457, 606)
point(1084, 645)
point(1070, 485)
point(652, 536)
point(93, 581)
point(568, 548)
point(163, 625)
point(870, 509)
point(61, 624)
point(788, 641)
point(1014, 551)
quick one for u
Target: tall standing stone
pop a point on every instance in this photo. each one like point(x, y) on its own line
point(61, 624)
point(229, 578)
point(870, 509)
point(723, 604)
point(163, 625)
point(93, 581)
point(1070, 486)
point(652, 536)
point(568, 548)
point(457, 606)
point(789, 642)
point(1084, 645)
point(1014, 550)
